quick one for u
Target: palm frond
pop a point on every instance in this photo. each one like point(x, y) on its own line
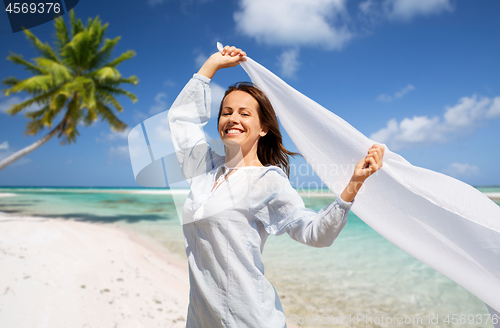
point(37, 113)
point(69, 130)
point(90, 117)
point(62, 34)
point(104, 53)
point(89, 96)
point(107, 115)
point(59, 72)
point(118, 92)
point(12, 81)
point(18, 59)
point(33, 127)
point(106, 74)
point(48, 116)
point(124, 56)
point(39, 100)
point(43, 48)
point(76, 25)
point(58, 100)
point(33, 85)
point(130, 80)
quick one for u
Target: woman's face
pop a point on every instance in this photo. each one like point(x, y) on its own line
point(239, 121)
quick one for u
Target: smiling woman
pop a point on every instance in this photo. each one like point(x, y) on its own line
point(237, 200)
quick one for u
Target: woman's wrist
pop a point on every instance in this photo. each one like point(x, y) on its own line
point(351, 190)
point(208, 69)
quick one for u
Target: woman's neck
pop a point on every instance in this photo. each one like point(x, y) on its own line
point(236, 158)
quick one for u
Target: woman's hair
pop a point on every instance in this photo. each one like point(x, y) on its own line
point(270, 149)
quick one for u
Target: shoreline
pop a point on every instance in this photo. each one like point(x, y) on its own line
point(313, 194)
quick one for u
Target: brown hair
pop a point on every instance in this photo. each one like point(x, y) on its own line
point(270, 149)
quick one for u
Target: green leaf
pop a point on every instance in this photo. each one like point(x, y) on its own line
point(18, 59)
point(106, 73)
point(33, 85)
point(43, 48)
point(124, 56)
point(62, 34)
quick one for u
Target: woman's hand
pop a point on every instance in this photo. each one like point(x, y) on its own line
point(228, 57)
point(368, 165)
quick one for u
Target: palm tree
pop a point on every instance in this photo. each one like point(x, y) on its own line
point(77, 79)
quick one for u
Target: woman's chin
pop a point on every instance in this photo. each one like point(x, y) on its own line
point(231, 142)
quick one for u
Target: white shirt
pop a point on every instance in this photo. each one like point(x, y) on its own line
point(225, 229)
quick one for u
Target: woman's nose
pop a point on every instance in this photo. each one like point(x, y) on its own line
point(234, 118)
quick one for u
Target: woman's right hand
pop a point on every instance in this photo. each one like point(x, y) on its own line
point(228, 57)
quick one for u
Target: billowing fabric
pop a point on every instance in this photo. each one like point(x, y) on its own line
point(439, 220)
point(225, 228)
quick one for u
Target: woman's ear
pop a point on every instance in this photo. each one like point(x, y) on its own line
point(263, 131)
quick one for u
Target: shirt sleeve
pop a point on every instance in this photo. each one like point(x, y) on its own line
point(281, 209)
point(188, 115)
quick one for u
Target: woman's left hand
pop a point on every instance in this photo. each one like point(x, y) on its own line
point(370, 164)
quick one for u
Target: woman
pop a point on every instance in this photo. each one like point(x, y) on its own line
point(238, 199)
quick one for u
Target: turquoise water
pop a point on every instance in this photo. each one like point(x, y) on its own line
point(362, 273)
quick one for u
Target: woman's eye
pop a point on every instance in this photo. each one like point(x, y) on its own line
point(225, 114)
point(245, 114)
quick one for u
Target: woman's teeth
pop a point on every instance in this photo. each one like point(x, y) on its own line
point(233, 131)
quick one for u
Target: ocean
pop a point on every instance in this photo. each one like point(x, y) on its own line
point(361, 275)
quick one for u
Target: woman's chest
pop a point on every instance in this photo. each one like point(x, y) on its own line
point(228, 199)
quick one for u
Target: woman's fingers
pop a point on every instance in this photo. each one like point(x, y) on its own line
point(232, 51)
point(369, 164)
point(373, 165)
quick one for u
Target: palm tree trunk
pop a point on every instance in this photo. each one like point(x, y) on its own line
point(14, 157)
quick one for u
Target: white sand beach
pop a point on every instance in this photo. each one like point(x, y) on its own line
point(62, 273)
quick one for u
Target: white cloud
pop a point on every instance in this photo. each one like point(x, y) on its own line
point(123, 135)
point(5, 152)
point(160, 104)
point(200, 59)
point(494, 110)
point(467, 112)
point(366, 7)
point(466, 115)
point(139, 116)
point(169, 83)
point(404, 91)
point(407, 9)
point(119, 151)
point(399, 94)
point(295, 22)
point(217, 95)
point(384, 98)
point(289, 63)
point(7, 102)
point(461, 170)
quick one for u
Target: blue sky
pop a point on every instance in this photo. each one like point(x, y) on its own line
point(418, 75)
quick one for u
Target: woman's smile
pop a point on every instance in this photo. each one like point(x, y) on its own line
point(233, 132)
